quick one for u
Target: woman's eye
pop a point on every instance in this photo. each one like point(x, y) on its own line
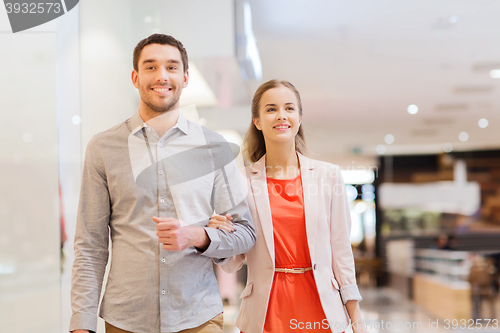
point(291, 109)
point(271, 109)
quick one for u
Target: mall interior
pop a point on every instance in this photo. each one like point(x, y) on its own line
point(403, 95)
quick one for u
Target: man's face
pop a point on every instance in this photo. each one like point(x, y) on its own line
point(160, 77)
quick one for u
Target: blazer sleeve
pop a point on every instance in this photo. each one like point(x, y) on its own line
point(340, 230)
point(232, 264)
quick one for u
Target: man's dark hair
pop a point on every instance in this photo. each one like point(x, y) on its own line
point(162, 40)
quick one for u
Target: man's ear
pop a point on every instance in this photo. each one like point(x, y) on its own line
point(256, 122)
point(186, 79)
point(135, 78)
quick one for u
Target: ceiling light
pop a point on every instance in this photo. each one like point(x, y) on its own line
point(463, 136)
point(454, 19)
point(148, 19)
point(483, 123)
point(389, 138)
point(495, 73)
point(448, 147)
point(381, 149)
point(412, 109)
point(76, 119)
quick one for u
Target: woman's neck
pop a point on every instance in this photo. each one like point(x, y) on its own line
point(282, 161)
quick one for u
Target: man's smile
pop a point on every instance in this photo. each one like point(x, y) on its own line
point(161, 90)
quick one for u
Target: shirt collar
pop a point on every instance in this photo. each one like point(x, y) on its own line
point(136, 123)
point(182, 123)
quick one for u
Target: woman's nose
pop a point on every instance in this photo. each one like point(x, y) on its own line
point(281, 114)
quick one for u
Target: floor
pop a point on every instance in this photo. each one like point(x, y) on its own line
point(386, 310)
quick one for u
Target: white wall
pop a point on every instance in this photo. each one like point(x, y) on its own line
point(29, 201)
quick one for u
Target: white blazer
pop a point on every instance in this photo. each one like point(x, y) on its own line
point(328, 226)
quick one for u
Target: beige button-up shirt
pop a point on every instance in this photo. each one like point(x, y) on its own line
point(129, 176)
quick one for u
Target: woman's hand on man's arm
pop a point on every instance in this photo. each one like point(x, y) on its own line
point(222, 222)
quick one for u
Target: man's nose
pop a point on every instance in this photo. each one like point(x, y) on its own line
point(162, 75)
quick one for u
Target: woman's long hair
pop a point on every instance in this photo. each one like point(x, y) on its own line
point(254, 144)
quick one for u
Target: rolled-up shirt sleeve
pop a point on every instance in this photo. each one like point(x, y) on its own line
point(91, 241)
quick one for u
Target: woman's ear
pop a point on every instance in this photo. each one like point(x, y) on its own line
point(256, 122)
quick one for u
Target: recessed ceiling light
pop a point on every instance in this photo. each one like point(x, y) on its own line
point(464, 136)
point(483, 123)
point(76, 119)
point(448, 147)
point(412, 109)
point(454, 19)
point(381, 149)
point(495, 73)
point(389, 138)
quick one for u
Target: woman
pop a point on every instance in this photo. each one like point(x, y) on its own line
point(301, 269)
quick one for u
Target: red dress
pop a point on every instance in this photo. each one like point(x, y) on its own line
point(294, 298)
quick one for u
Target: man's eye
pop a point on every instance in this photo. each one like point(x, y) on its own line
point(172, 68)
point(150, 67)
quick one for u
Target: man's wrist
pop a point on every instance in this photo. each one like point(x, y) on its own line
point(201, 241)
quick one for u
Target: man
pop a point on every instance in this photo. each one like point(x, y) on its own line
point(151, 184)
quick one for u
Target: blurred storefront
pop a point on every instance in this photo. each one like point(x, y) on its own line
point(439, 230)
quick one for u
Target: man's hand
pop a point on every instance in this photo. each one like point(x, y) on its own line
point(177, 238)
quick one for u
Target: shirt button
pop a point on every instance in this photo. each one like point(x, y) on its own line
point(162, 200)
point(161, 172)
point(159, 144)
point(162, 259)
point(163, 292)
point(149, 129)
point(314, 266)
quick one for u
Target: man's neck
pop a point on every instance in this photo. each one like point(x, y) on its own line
point(160, 122)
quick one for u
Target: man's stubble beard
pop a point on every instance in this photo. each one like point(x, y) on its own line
point(161, 109)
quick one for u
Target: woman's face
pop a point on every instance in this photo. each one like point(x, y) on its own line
point(279, 117)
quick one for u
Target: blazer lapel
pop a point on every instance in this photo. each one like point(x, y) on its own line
point(261, 197)
point(310, 193)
